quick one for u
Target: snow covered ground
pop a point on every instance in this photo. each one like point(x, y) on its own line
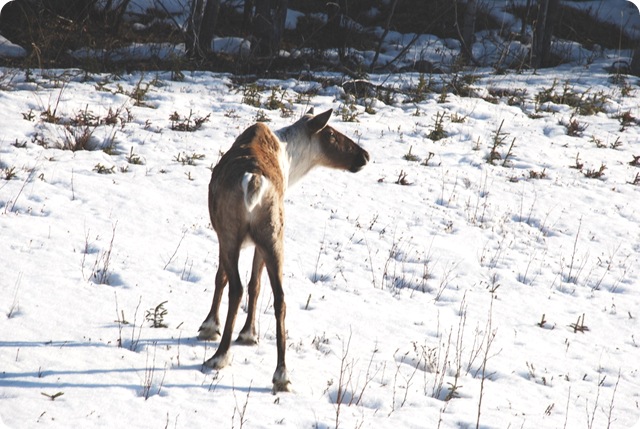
point(432, 289)
point(505, 292)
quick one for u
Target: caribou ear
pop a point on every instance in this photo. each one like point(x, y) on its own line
point(310, 111)
point(320, 121)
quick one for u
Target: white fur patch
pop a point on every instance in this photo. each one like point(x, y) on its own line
point(254, 186)
point(298, 153)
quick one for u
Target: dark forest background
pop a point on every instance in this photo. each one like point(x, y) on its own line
point(49, 30)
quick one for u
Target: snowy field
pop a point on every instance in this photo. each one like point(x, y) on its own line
point(483, 270)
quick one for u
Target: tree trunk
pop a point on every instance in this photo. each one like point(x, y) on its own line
point(209, 20)
point(468, 31)
point(247, 17)
point(200, 27)
point(543, 32)
point(383, 36)
point(337, 16)
point(525, 20)
point(268, 26)
point(193, 28)
point(634, 67)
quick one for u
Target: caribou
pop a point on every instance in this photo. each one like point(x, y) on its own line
point(246, 206)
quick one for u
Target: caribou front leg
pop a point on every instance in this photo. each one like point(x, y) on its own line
point(274, 257)
point(248, 334)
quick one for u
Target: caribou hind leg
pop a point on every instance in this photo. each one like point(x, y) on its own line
point(221, 357)
point(210, 328)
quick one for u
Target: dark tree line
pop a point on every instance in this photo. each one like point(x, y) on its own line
point(545, 16)
point(263, 21)
point(50, 29)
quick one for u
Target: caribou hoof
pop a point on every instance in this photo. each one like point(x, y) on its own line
point(281, 382)
point(218, 362)
point(209, 331)
point(247, 339)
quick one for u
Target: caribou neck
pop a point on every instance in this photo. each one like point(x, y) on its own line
point(298, 153)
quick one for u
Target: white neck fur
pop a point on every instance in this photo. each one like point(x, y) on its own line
point(299, 154)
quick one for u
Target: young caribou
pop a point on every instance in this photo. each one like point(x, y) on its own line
point(246, 205)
